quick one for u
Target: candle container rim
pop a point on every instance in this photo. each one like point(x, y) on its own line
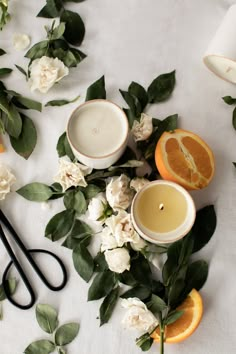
point(206, 62)
point(157, 240)
point(124, 142)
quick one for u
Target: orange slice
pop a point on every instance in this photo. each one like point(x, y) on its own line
point(187, 323)
point(2, 148)
point(183, 157)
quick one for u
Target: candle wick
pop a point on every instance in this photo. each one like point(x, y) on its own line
point(161, 206)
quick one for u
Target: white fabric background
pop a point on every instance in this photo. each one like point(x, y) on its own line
point(128, 40)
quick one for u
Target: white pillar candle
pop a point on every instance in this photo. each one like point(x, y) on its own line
point(97, 132)
point(220, 56)
point(163, 212)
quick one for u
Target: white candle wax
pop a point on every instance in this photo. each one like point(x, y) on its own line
point(163, 212)
point(220, 56)
point(97, 132)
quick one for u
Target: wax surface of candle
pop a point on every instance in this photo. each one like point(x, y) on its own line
point(165, 219)
point(98, 129)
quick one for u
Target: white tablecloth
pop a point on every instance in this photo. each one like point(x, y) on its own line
point(129, 40)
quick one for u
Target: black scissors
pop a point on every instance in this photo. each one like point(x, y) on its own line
point(27, 253)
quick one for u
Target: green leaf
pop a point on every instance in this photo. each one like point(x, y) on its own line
point(66, 333)
point(80, 229)
point(156, 304)
point(58, 31)
point(52, 9)
point(37, 51)
point(61, 102)
point(68, 59)
point(5, 71)
point(68, 150)
point(91, 191)
point(130, 116)
point(2, 52)
point(36, 192)
point(75, 29)
point(100, 263)
point(13, 124)
point(234, 163)
point(138, 291)
point(102, 284)
point(26, 142)
point(196, 276)
point(229, 100)
point(96, 90)
point(138, 91)
point(173, 316)
point(79, 56)
point(75, 200)
point(144, 342)
point(27, 103)
point(127, 278)
point(132, 102)
point(11, 285)
point(40, 347)
point(61, 146)
point(4, 106)
point(175, 294)
point(22, 71)
point(108, 305)
point(83, 262)
point(204, 227)
point(47, 317)
point(141, 271)
point(234, 118)
point(60, 225)
point(161, 88)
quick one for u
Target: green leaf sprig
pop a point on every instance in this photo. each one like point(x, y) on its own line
point(74, 26)
point(47, 318)
point(231, 101)
point(20, 128)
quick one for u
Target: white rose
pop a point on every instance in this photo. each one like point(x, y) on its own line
point(143, 129)
point(45, 72)
point(138, 316)
point(21, 41)
point(71, 174)
point(97, 207)
point(6, 181)
point(138, 246)
point(118, 193)
point(122, 228)
point(118, 259)
point(108, 240)
point(138, 182)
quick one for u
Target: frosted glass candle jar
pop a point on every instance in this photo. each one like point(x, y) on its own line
point(163, 212)
point(97, 132)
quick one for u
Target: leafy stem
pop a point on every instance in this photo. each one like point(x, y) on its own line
point(162, 334)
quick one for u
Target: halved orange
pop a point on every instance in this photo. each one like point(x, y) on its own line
point(2, 148)
point(183, 157)
point(187, 323)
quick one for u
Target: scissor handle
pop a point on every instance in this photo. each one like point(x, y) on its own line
point(26, 281)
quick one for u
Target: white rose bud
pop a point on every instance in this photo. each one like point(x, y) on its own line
point(108, 240)
point(138, 182)
point(138, 316)
point(6, 181)
point(118, 193)
point(71, 174)
point(21, 41)
point(97, 207)
point(45, 72)
point(122, 228)
point(118, 260)
point(139, 245)
point(143, 129)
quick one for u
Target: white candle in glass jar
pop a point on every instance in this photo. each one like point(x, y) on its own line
point(98, 132)
point(220, 56)
point(163, 212)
